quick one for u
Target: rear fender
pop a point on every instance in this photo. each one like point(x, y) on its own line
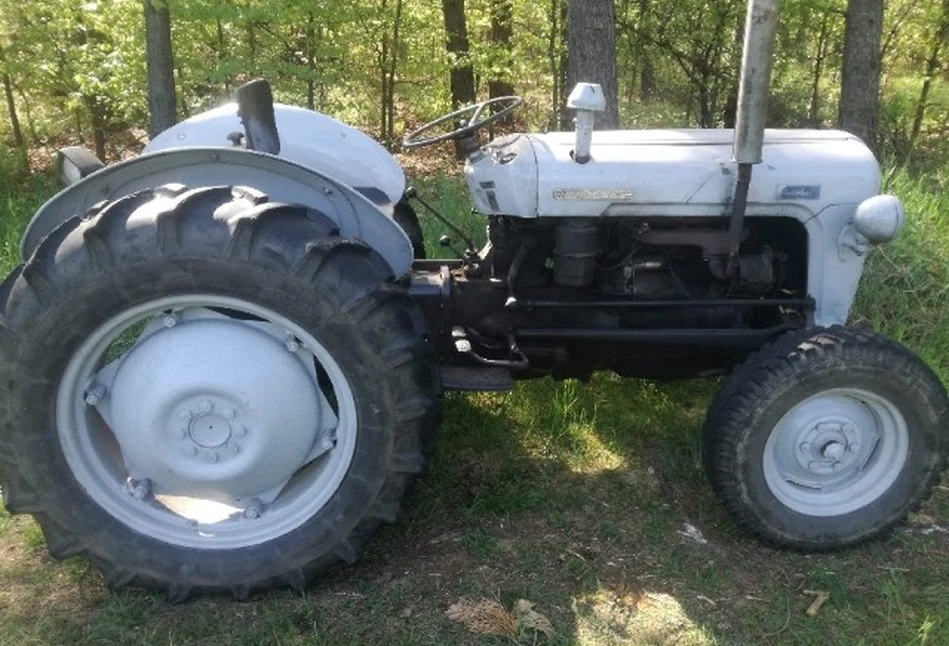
point(282, 180)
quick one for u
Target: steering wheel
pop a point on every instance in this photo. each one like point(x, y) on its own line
point(467, 127)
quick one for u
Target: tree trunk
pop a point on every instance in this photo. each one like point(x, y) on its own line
point(814, 114)
point(310, 61)
point(221, 46)
point(388, 62)
point(860, 75)
point(502, 29)
point(456, 42)
point(555, 62)
point(932, 66)
point(591, 41)
point(647, 71)
point(161, 67)
point(18, 139)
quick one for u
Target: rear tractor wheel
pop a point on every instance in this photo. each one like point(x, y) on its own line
point(210, 392)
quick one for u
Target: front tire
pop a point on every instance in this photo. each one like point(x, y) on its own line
point(211, 392)
point(826, 438)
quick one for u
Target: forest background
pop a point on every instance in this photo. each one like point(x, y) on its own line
point(74, 71)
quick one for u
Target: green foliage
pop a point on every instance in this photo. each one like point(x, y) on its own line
point(78, 70)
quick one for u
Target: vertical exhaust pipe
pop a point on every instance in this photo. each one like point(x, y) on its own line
point(761, 26)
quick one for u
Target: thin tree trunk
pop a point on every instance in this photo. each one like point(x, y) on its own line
point(310, 61)
point(860, 75)
point(647, 71)
point(161, 67)
point(932, 66)
point(814, 113)
point(591, 34)
point(18, 139)
point(552, 60)
point(221, 44)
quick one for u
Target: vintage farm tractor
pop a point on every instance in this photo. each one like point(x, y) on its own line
point(223, 361)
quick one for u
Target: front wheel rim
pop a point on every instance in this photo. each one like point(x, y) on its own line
point(97, 458)
point(836, 452)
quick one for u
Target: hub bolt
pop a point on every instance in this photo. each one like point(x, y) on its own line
point(254, 509)
point(95, 394)
point(141, 488)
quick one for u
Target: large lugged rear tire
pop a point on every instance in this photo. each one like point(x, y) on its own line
point(826, 438)
point(209, 392)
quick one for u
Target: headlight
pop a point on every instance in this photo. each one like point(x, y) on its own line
point(879, 219)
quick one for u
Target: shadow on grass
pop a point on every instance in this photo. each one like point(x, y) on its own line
point(586, 500)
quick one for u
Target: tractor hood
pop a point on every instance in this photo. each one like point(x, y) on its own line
point(667, 172)
point(308, 138)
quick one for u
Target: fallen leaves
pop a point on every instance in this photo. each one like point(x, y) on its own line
point(488, 617)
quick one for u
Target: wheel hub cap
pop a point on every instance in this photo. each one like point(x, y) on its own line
point(196, 417)
point(835, 452)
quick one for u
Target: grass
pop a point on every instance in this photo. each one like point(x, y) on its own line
point(586, 499)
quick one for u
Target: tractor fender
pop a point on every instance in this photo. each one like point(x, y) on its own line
point(281, 179)
point(308, 138)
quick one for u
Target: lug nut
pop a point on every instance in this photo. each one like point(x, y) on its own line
point(233, 449)
point(210, 457)
point(229, 413)
point(240, 431)
point(169, 320)
point(95, 394)
point(189, 450)
point(141, 489)
point(206, 406)
point(854, 447)
point(327, 444)
point(254, 509)
point(292, 345)
point(835, 466)
point(813, 466)
point(184, 415)
point(805, 447)
point(181, 432)
point(849, 428)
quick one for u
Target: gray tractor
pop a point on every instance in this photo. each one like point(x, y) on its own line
point(223, 359)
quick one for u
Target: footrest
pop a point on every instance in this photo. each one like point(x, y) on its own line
point(484, 379)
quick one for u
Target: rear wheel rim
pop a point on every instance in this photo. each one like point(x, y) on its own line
point(836, 452)
point(95, 453)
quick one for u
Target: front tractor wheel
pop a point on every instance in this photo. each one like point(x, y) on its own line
point(827, 438)
point(211, 392)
